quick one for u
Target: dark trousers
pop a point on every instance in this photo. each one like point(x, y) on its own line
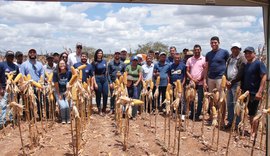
point(103, 89)
point(199, 89)
point(133, 92)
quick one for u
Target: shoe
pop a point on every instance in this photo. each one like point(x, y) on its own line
point(228, 126)
point(63, 122)
point(100, 113)
point(68, 122)
point(183, 117)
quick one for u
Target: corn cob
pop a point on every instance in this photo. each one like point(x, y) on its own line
point(74, 93)
point(36, 84)
point(117, 83)
point(85, 85)
point(121, 79)
point(158, 81)
point(73, 79)
point(82, 67)
point(167, 95)
point(243, 96)
point(89, 81)
point(81, 75)
point(125, 78)
point(137, 102)
point(49, 78)
point(151, 85)
point(168, 87)
point(51, 97)
point(10, 76)
point(18, 77)
point(223, 81)
point(73, 70)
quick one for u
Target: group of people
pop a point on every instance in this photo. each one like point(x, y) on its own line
point(190, 66)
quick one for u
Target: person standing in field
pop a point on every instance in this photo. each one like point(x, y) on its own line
point(75, 57)
point(172, 53)
point(86, 72)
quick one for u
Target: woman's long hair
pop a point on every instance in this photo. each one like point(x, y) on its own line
point(96, 53)
point(58, 70)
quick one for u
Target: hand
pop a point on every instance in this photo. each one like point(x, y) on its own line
point(228, 84)
point(111, 86)
point(135, 84)
point(205, 86)
point(2, 91)
point(59, 97)
point(157, 74)
point(258, 96)
point(96, 86)
point(195, 81)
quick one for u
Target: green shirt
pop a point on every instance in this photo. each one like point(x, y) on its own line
point(133, 73)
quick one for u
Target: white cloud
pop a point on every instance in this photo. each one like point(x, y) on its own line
point(52, 26)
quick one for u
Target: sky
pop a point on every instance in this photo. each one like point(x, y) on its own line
point(54, 26)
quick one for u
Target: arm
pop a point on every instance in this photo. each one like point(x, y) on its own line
point(240, 71)
point(109, 73)
point(205, 75)
point(140, 77)
point(262, 86)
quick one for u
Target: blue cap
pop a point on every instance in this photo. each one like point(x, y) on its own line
point(134, 58)
point(249, 49)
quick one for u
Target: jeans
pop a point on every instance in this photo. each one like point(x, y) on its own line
point(231, 100)
point(3, 104)
point(112, 100)
point(64, 107)
point(103, 88)
point(133, 92)
point(200, 93)
point(162, 92)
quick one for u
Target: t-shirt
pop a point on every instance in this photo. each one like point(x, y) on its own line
point(62, 79)
point(86, 72)
point(113, 68)
point(196, 67)
point(6, 67)
point(163, 70)
point(133, 73)
point(177, 72)
point(99, 67)
point(147, 71)
point(216, 63)
point(252, 76)
point(169, 59)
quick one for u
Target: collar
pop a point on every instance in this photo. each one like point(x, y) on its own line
point(197, 58)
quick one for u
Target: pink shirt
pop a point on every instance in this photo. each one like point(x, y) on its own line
point(196, 67)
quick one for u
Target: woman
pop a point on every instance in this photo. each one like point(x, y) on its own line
point(134, 78)
point(100, 80)
point(61, 76)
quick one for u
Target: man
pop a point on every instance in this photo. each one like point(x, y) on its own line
point(75, 57)
point(115, 68)
point(86, 72)
point(215, 65)
point(151, 53)
point(234, 73)
point(140, 59)
point(6, 67)
point(56, 58)
point(19, 58)
point(36, 71)
point(50, 66)
point(253, 80)
point(156, 57)
point(172, 53)
point(123, 56)
point(161, 69)
point(195, 72)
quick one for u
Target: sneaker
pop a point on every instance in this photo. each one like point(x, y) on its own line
point(68, 122)
point(228, 126)
point(63, 122)
point(183, 117)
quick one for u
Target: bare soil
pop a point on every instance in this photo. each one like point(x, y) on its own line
point(100, 138)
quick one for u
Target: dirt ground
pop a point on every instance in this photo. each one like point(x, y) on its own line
point(100, 138)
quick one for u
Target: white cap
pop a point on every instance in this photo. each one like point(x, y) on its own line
point(139, 55)
point(124, 49)
point(236, 44)
point(162, 53)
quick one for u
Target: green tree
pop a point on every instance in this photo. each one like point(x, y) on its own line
point(156, 46)
point(90, 51)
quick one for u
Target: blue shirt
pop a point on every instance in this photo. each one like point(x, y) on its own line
point(86, 72)
point(252, 76)
point(62, 80)
point(216, 63)
point(35, 69)
point(99, 67)
point(6, 67)
point(169, 60)
point(177, 72)
point(163, 70)
point(113, 68)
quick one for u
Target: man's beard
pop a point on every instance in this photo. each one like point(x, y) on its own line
point(32, 57)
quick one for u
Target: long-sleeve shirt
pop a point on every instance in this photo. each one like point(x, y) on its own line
point(113, 68)
point(6, 67)
point(34, 68)
point(235, 68)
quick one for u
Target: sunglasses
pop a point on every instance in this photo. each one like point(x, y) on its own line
point(79, 47)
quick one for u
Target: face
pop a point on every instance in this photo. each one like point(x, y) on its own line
point(123, 54)
point(235, 51)
point(10, 58)
point(56, 58)
point(79, 49)
point(62, 65)
point(162, 58)
point(214, 44)
point(20, 58)
point(83, 58)
point(172, 51)
point(249, 56)
point(50, 60)
point(99, 55)
point(197, 51)
point(117, 56)
point(134, 62)
point(149, 59)
point(176, 58)
point(32, 55)
point(152, 54)
point(64, 57)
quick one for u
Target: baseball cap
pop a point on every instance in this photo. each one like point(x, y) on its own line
point(134, 58)
point(139, 56)
point(9, 53)
point(237, 45)
point(124, 49)
point(249, 49)
point(162, 53)
point(55, 54)
point(189, 52)
point(79, 44)
point(18, 53)
point(116, 52)
point(49, 56)
point(32, 50)
point(156, 52)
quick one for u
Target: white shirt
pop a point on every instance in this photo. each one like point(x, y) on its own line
point(49, 69)
point(73, 58)
point(147, 71)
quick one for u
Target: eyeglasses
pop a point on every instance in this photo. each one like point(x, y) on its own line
point(79, 47)
point(64, 57)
